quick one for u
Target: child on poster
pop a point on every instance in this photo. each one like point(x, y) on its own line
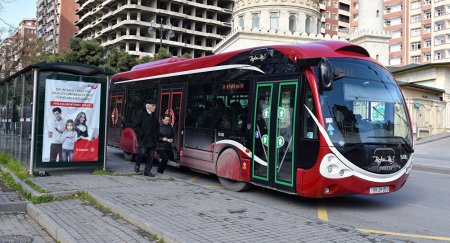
point(68, 139)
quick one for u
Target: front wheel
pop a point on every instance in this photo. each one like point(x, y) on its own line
point(236, 186)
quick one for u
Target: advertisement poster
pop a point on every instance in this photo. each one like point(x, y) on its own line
point(71, 121)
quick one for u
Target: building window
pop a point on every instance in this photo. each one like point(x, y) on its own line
point(335, 16)
point(438, 55)
point(327, 26)
point(415, 32)
point(427, 14)
point(415, 18)
point(241, 22)
point(439, 40)
point(427, 43)
point(335, 4)
point(439, 11)
point(415, 46)
point(427, 57)
point(274, 21)
point(415, 59)
point(328, 2)
point(426, 2)
point(439, 25)
point(427, 28)
point(378, 13)
point(255, 20)
point(308, 25)
point(292, 23)
point(415, 5)
point(327, 15)
point(335, 28)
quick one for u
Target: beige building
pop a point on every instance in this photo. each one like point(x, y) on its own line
point(427, 93)
point(195, 26)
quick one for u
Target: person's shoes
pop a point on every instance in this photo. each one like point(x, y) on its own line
point(136, 169)
point(149, 174)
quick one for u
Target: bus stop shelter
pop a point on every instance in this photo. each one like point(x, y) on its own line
point(46, 107)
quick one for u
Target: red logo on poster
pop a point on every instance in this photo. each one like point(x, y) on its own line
point(85, 151)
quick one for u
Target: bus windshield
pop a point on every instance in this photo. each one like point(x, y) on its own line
point(365, 107)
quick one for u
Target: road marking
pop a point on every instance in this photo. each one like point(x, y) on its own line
point(192, 179)
point(430, 237)
point(322, 212)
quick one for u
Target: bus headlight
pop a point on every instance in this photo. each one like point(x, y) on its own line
point(331, 167)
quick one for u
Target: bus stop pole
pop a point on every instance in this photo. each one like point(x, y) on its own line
point(105, 144)
point(33, 121)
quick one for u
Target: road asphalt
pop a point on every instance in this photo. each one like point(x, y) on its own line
point(127, 207)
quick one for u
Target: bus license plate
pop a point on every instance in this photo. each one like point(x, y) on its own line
point(379, 189)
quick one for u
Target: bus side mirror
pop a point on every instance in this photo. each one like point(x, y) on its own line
point(326, 75)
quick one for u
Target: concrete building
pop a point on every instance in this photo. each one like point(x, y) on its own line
point(13, 50)
point(427, 93)
point(335, 16)
point(420, 30)
point(197, 26)
point(56, 23)
point(271, 22)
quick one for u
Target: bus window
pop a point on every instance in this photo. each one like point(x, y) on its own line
point(135, 101)
point(230, 107)
point(309, 126)
point(199, 109)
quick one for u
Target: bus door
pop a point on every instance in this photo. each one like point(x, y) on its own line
point(274, 132)
point(115, 120)
point(171, 103)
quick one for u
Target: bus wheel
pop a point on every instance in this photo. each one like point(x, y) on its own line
point(236, 186)
point(128, 156)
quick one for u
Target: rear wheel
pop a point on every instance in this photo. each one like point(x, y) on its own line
point(236, 186)
point(128, 156)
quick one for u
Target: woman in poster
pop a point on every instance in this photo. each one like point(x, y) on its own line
point(68, 139)
point(80, 126)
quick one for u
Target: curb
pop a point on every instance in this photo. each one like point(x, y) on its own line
point(58, 233)
point(14, 206)
point(134, 219)
point(431, 168)
point(425, 140)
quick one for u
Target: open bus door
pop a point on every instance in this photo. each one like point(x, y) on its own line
point(274, 130)
point(171, 101)
point(115, 121)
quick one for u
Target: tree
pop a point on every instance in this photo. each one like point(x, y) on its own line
point(119, 60)
point(85, 51)
point(16, 52)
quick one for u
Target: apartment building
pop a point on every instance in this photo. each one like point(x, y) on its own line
point(181, 26)
point(335, 16)
point(56, 23)
point(420, 30)
point(14, 53)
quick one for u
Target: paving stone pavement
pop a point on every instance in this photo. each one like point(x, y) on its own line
point(84, 223)
point(22, 224)
point(190, 213)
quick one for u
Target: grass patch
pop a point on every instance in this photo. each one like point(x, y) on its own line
point(9, 162)
point(101, 172)
point(35, 187)
point(8, 179)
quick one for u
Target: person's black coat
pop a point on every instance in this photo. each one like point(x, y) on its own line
point(146, 127)
point(165, 131)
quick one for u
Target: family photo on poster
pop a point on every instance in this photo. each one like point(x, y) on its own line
point(71, 121)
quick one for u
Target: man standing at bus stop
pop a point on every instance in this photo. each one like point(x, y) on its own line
point(146, 126)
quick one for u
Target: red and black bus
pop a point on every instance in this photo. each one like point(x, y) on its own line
point(318, 120)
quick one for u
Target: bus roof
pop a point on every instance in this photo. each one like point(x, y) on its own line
point(294, 52)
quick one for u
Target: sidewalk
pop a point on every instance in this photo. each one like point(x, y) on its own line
point(178, 211)
point(432, 154)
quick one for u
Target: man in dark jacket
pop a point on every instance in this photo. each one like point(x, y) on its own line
point(146, 126)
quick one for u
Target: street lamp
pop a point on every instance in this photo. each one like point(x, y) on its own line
point(154, 25)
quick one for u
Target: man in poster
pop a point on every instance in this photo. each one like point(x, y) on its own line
point(55, 132)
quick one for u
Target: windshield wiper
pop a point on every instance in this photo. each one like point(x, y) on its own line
point(409, 148)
